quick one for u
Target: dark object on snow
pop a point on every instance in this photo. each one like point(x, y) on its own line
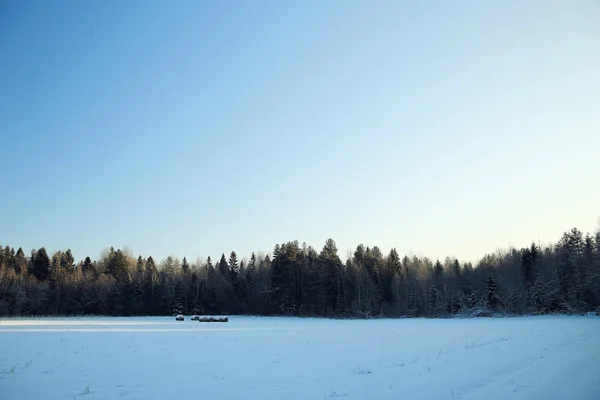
point(213, 319)
point(180, 318)
point(195, 318)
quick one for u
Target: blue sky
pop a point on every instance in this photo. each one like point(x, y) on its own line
point(196, 128)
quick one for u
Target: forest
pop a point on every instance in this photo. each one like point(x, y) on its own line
point(298, 280)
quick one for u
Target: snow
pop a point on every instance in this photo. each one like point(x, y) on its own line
point(555, 357)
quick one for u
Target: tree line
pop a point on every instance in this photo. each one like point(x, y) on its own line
point(298, 280)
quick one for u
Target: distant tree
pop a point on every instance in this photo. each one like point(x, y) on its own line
point(528, 260)
point(438, 272)
point(298, 280)
point(570, 250)
point(492, 294)
point(331, 276)
point(434, 299)
point(223, 266)
point(87, 266)
point(20, 263)
point(41, 265)
point(68, 261)
point(457, 303)
point(185, 267)
point(151, 287)
point(179, 298)
point(456, 269)
point(233, 267)
point(251, 270)
point(118, 266)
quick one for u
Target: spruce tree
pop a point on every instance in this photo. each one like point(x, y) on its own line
point(233, 267)
point(178, 299)
point(251, 270)
point(492, 295)
point(185, 267)
point(41, 265)
point(438, 273)
point(87, 266)
point(118, 266)
point(223, 266)
point(537, 297)
point(456, 303)
point(434, 299)
point(197, 307)
point(470, 300)
point(151, 286)
point(456, 269)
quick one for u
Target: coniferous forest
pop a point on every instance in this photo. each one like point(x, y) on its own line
point(299, 280)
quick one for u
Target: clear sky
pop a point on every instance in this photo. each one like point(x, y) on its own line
point(193, 128)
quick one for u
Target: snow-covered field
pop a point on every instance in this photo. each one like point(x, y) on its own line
point(288, 358)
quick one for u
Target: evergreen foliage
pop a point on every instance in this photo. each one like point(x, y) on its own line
point(296, 279)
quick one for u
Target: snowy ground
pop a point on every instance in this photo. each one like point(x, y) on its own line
point(286, 358)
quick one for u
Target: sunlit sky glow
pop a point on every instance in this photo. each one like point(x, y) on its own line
point(197, 128)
